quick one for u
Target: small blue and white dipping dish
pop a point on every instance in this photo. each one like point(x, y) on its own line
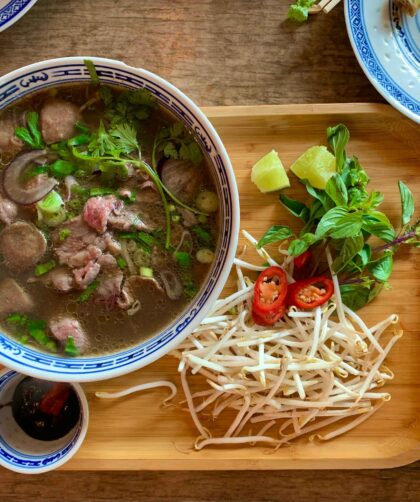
point(21, 453)
point(56, 72)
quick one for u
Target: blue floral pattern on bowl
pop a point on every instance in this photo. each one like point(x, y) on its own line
point(12, 11)
point(383, 40)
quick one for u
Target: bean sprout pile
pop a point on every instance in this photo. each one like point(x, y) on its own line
point(316, 371)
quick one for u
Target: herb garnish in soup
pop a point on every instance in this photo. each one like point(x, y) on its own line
point(109, 218)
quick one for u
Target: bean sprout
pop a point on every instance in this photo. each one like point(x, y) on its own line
point(314, 369)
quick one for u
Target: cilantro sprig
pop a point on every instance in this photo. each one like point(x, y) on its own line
point(345, 214)
point(31, 134)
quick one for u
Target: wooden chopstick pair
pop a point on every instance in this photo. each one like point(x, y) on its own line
point(324, 6)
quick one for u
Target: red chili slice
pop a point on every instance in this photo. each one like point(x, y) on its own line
point(310, 293)
point(302, 265)
point(55, 399)
point(269, 296)
point(268, 319)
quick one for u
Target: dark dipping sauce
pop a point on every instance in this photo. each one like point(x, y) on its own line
point(45, 410)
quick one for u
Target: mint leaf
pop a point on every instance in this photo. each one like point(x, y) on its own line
point(407, 203)
point(274, 234)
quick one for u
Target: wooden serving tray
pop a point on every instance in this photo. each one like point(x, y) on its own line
point(137, 433)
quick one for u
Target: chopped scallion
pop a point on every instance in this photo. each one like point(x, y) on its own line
point(87, 293)
point(43, 268)
point(70, 348)
point(146, 272)
point(121, 262)
point(63, 234)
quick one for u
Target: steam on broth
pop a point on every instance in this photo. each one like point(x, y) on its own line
point(109, 219)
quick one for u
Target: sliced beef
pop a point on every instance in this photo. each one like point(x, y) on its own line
point(8, 141)
point(13, 298)
point(64, 327)
point(87, 274)
point(109, 290)
point(83, 257)
point(22, 246)
point(58, 118)
point(97, 211)
point(189, 218)
point(111, 245)
point(80, 238)
point(182, 178)
point(127, 220)
point(8, 210)
point(60, 278)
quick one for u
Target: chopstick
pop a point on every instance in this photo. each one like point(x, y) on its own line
point(324, 6)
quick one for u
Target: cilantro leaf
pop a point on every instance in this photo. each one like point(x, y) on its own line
point(299, 10)
point(32, 134)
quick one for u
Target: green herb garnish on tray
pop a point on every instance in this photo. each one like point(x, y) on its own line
point(345, 216)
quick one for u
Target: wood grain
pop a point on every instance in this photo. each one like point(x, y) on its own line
point(395, 485)
point(219, 52)
point(135, 433)
point(235, 52)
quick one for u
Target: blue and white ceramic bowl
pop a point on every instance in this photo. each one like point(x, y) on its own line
point(21, 453)
point(66, 70)
point(386, 41)
point(12, 10)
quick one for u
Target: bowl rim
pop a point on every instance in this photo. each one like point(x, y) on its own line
point(228, 254)
point(84, 425)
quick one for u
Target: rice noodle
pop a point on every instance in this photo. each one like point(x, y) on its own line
point(312, 370)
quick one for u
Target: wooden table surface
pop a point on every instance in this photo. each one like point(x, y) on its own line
point(220, 52)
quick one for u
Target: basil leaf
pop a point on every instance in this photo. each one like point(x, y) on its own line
point(337, 191)
point(377, 223)
point(274, 234)
point(365, 254)
point(351, 247)
point(338, 137)
point(407, 203)
point(330, 220)
point(374, 292)
point(320, 195)
point(353, 173)
point(299, 246)
point(381, 269)
point(355, 296)
point(348, 226)
point(297, 208)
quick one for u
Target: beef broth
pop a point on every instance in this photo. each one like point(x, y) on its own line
point(108, 257)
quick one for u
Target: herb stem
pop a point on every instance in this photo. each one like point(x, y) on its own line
point(395, 242)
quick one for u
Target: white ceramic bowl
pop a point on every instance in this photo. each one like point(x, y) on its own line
point(21, 453)
point(56, 72)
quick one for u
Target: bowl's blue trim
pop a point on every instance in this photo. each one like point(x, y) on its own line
point(11, 10)
point(13, 457)
point(402, 35)
point(370, 61)
point(36, 80)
